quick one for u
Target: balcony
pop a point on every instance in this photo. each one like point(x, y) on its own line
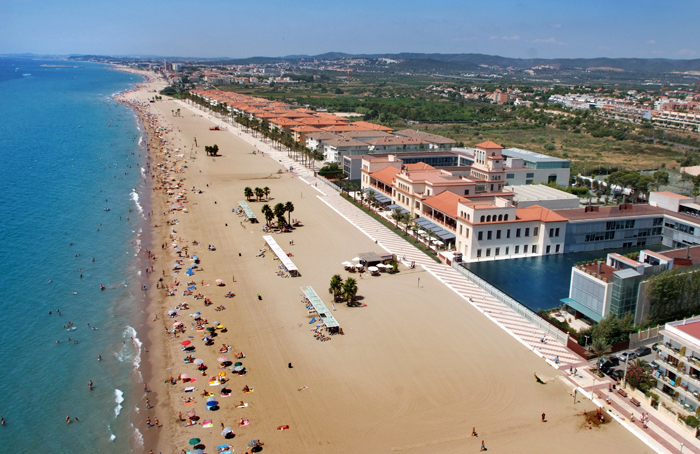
point(437, 221)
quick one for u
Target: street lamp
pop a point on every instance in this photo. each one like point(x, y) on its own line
point(624, 377)
point(585, 346)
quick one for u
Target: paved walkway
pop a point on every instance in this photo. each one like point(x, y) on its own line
point(662, 435)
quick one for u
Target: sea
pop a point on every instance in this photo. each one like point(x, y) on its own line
point(73, 220)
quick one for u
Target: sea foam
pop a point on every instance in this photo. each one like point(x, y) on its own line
point(119, 398)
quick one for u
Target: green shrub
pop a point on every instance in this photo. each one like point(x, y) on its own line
point(549, 147)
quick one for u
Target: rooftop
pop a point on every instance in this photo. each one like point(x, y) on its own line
point(488, 145)
point(678, 256)
point(424, 136)
point(580, 214)
point(606, 272)
point(533, 192)
point(674, 195)
point(529, 155)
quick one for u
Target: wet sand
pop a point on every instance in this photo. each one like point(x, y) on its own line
point(416, 368)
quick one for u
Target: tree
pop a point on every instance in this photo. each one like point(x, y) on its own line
point(266, 190)
point(599, 347)
point(289, 207)
point(371, 197)
point(278, 210)
point(397, 214)
point(267, 212)
point(212, 150)
point(248, 192)
point(631, 179)
point(350, 290)
point(661, 177)
point(336, 286)
point(259, 193)
point(638, 375)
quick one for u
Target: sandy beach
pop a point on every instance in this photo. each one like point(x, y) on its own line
point(416, 369)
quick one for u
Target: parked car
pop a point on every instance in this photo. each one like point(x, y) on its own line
point(624, 356)
point(654, 365)
point(642, 351)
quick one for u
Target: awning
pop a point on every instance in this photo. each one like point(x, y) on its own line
point(324, 314)
point(582, 309)
point(394, 206)
point(246, 209)
point(378, 196)
point(444, 234)
point(286, 261)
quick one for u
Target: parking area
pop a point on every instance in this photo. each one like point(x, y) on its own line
point(614, 365)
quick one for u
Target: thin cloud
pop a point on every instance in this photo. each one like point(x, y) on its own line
point(603, 47)
point(547, 41)
point(651, 41)
point(511, 38)
point(493, 37)
point(687, 52)
point(556, 25)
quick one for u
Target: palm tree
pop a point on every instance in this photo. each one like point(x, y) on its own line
point(336, 286)
point(248, 192)
point(266, 190)
point(371, 197)
point(289, 207)
point(350, 290)
point(599, 347)
point(267, 212)
point(281, 221)
point(431, 234)
point(398, 215)
point(259, 193)
point(278, 209)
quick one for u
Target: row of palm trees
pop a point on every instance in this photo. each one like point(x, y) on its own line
point(259, 193)
point(278, 212)
point(343, 290)
point(279, 139)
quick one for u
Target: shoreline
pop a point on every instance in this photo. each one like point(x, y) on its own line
point(152, 346)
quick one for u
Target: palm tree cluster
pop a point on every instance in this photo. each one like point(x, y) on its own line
point(278, 212)
point(259, 193)
point(343, 290)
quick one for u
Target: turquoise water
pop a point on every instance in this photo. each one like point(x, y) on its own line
point(539, 282)
point(62, 165)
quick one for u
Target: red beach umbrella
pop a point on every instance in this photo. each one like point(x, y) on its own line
point(186, 342)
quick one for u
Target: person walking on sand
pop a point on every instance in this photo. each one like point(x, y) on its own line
point(483, 446)
point(156, 422)
point(543, 417)
point(474, 434)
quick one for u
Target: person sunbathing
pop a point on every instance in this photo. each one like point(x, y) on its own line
point(246, 389)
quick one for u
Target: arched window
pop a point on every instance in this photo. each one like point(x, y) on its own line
point(505, 218)
point(500, 217)
point(482, 218)
point(488, 218)
point(468, 217)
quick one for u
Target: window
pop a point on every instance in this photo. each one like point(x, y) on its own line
point(548, 250)
point(528, 181)
point(658, 221)
point(517, 233)
point(551, 233)
point(481, 236)
point(498, 251)
point(500, 217)
point(505, 218)
point(466, 231)
point(556, 248)
point(507, 250)
point(527, 231)
point(556, 231)
point(535, 231)
point(488, 218)
point(466, 192)
point(510, 176)
point(525, 249)
point(460, 229)
point(517, 249)
point(507, 234)
point(530, 175)
point(534, 249)
point(498, 234)
point(478, 252)
point(491, 187)
point(482, 218)
point(488, 252)
point(488, 235)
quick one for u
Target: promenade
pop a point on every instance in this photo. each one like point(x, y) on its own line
point(661, 436)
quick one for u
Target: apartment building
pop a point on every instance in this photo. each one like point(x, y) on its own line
point(678, 376)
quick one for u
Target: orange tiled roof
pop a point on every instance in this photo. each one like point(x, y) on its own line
point(386, 175)
point(445, 202)
point(538, 213)
point(489, 145)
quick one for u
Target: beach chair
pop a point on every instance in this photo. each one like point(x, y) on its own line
point(312, 321)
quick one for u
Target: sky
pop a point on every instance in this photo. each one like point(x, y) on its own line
point(273, 28)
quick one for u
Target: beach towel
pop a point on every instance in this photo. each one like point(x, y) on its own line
point(190, 402)
point(208, 423)
point(244, 423)
point(285, 427)
point(214, 383)
point(190, 389)
point(245, 404)
point(226, 395)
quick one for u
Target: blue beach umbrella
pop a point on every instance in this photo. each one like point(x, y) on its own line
point(189, 272)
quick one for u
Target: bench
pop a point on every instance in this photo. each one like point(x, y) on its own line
point(622, 392)
point(634, 402)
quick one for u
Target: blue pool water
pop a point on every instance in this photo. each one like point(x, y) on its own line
point(62, 165)
point(539, 282)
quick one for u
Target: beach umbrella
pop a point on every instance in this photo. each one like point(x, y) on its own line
point(223, 359)
point(198, 361)
point(438, 242)
point(192, 414)
point(177, 324)
point(184, 376)
point(211, 399)
point(186, 342)
point(197, 451)
point(194, 441)
point(219, 325)
point(219, 281)
point(238, 368)
point(172, 312)
point(373, 268)
point(226, 430)
point(189, 272)
point(356, 259)
point(346, 263)
point(211, 329)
